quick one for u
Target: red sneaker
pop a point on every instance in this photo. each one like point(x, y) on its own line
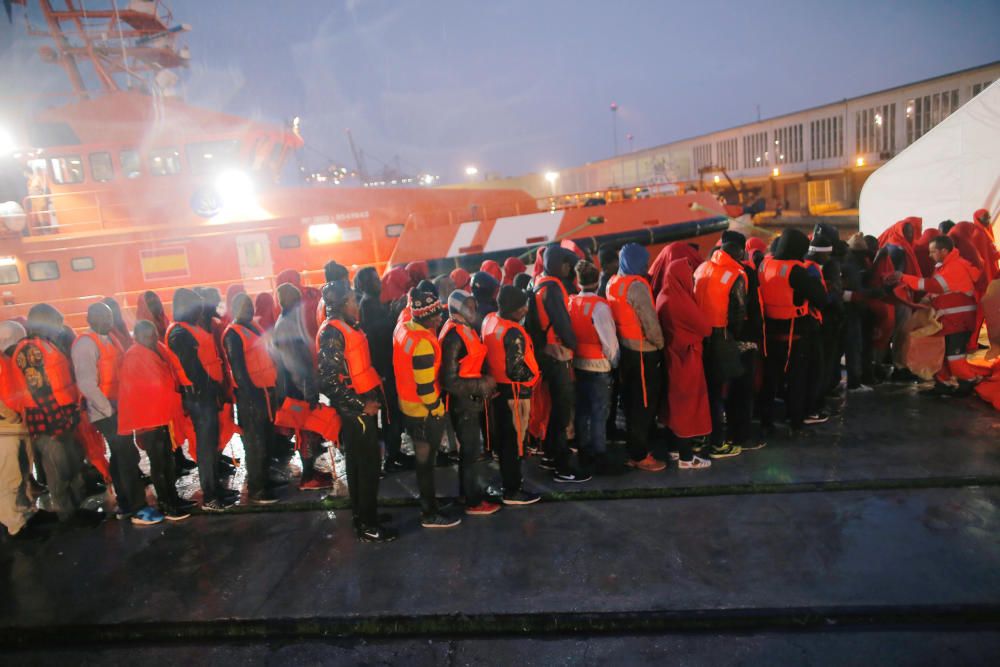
point(648, 464)
point(484, 508)
point(316, 482)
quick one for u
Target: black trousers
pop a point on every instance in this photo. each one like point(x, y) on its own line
point(204, 412)
point(505, 444)
point(359, 437)
point(124, 463)
point(471, 465)
point(392, 420)
point(740, 401)
point(558, 375)
point(716, 396)
point(258, 432)
point(426, 433)
point(162, 466)
point(792, 383)
point(637, 369)
point(818, 375)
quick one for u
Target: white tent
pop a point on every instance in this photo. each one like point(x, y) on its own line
point(947, 174)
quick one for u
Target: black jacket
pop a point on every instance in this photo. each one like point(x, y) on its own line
point(333, 376)
point(185, 347)
point(466, 394)
point(514, 347)
point(245, 389)
point(377, 323)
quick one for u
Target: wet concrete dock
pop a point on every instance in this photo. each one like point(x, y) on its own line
point(878, 538)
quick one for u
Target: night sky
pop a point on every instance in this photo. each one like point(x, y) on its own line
point(520, 86)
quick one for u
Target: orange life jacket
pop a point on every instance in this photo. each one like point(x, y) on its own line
point(543, 315)
point(57, 369)
point(494, 329)
point(713, 283)
point(109, 361)
point(404, 344)
point(776, 294)
point(9, 395)
point(263, 373)
point(362, 376)
point(150, 398)
point(629, 327)
point(814, 310)
point(581, 316)
point(405, 315)
point(208, 354)
point(471, 365)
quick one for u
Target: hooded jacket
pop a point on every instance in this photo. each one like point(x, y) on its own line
point(555, 307)
point(466, 394)
point(793, 245)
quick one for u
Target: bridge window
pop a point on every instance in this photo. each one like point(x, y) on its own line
point(394, 231)
point(40, 271)
point(209, 156)
point(164, 161)
point(9, 274)
point(130, 163)
point(82, 263)
point(101, 169)
point(67, 169)
point(290, 241)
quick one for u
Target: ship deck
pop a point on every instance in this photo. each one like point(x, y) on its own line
point(876, 537)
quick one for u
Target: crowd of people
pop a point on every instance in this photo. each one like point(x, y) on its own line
point(676, 358)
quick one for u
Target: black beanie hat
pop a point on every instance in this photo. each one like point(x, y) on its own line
point(733, 236)
point(335, 271)
point(511, 298)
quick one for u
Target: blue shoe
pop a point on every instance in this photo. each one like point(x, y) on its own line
point(147, 516)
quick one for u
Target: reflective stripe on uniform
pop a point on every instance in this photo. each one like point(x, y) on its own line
point(941, 281)
point(956, 309)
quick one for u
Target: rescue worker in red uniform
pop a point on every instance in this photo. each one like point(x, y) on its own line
point(47, 394)
point(149, 408)
point(594, 359)
point(510, 360)
point(463, 355)
point(952, 294)
point(720, 289)
point(641, 368)
point(552, 334)
point(97, 359)
point(198, 366)
point(253, 376)
point(348, 378)
point(787, 290)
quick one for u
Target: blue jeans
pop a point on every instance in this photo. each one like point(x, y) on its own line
point(593, 402)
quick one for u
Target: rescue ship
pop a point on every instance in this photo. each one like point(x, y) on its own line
point(131, 189)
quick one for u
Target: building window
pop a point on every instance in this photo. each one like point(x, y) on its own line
point(875, 129)
point(826, 138)
point(702, 156)
point(725, 152)
point(923, 113)
point(164, 161)
point(82, 263)
point(9, 274)
point(289, 242)
point(788, 144)
point(755, 150)
point(39, 271)
point(130, 164)
point(209, 156)
point(101, 169)
point(67, 169)
point(980, 87)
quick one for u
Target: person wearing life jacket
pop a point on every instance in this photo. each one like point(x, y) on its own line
point(253, 375)
point(951, 291)
point(787, 289)
point(44, 388)
point(823, 259)
point(859, 316)
point(294, 357)
point(97, 359)
point(416, 359)
point(195, 359)
point(15, 511)
point(720, 289)
point(349, 378)
point(608, 257)
point(641, 368)
point(594, 359)
point(552, 334)
point(468, 390)
point(484, 288)
point(896, 254)
point(510, 361)
point(149, 408)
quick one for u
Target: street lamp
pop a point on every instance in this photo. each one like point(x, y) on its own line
point(614, 125)
point(552, 177)
point(471, 170)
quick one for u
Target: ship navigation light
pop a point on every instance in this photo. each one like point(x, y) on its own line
point(7, 144)
point(235, 189)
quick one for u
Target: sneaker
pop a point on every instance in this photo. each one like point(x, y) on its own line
point(175, 514)
point(817, 418)
point(696, 463)
point(571, 477)
point(521, 498)
point(377, 534)
point(649, 464)
point(860, 389)
point(213, 506)
point(147, 516)
point(724, 451)
point(316, 482)
point(483, 509)
point(264, 498)
point(185, 505)
point(675, 456)
point(438, 521)
point(547, 463)
point(395, 465)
